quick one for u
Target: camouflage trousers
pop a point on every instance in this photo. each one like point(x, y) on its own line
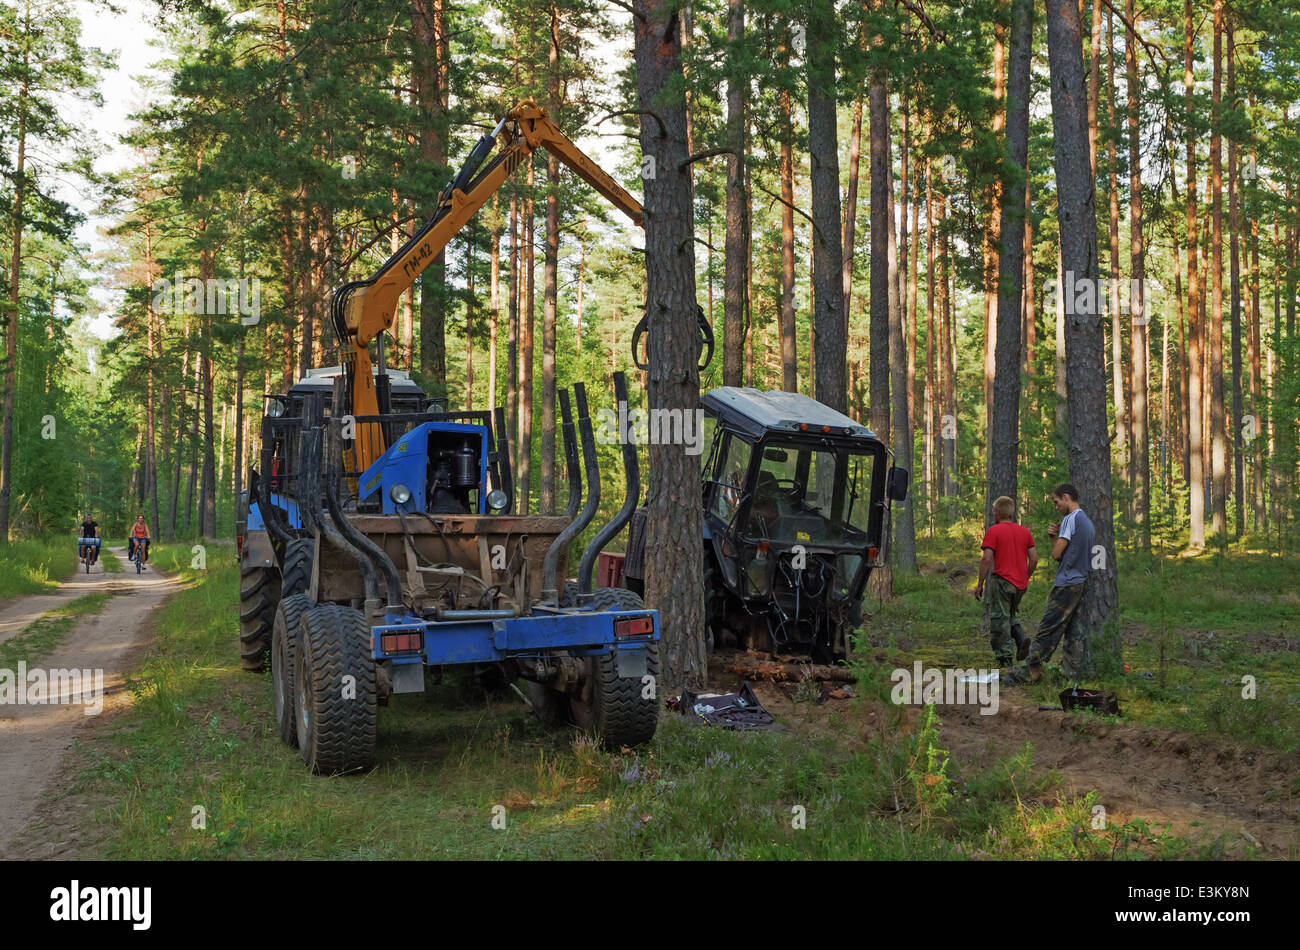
point(1059, 620)
point(1005, 634)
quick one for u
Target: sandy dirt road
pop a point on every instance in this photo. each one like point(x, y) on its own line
point(35, 739)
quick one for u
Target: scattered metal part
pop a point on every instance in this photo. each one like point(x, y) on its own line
point(741, 711)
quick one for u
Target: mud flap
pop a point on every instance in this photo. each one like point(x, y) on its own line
point(408, 677)
point(630, 663)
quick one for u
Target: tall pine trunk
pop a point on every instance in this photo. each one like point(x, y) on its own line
point(1089, 444)
point(1004, 434)
point(674, 555)
point(829, 315)
point(736, 253)
point(1140, 455)
point(1195, 436)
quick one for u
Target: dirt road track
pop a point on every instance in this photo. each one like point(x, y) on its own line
point(35, 739)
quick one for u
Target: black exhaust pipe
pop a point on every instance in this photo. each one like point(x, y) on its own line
point(633, 479)
point(572, 463)
point(550, 594)
point(309, 505)
point(503, 454)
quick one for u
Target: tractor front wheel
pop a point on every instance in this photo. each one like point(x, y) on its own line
point(296, 575)
point(259, 592)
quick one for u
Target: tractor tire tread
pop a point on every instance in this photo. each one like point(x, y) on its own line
point(622, 716)
point(259, 592)
point(344, 730)
point(284, 631)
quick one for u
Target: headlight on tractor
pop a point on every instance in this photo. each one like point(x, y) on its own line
point(400, 494)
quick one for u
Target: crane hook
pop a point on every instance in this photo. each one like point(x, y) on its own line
point(706, 338)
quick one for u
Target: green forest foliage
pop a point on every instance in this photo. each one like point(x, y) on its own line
point(294, 145)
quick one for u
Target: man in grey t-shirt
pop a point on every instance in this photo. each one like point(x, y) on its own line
point(1072, 548)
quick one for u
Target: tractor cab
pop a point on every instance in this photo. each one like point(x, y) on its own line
point(796, 515)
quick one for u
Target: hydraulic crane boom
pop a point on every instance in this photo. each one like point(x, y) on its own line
point(363, 310)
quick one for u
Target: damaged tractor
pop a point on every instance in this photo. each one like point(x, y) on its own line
point(797, 504)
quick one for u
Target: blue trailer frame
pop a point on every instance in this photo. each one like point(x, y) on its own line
point(579, 631)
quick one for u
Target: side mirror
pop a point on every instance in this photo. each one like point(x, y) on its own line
point(896, 484)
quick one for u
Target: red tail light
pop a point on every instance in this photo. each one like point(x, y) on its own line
point(872, 553)
point(402, 643)
point(636, 627)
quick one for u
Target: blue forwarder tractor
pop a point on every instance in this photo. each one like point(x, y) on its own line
point(381, 538)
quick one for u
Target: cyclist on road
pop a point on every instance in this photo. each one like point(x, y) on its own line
point(139, 535)
point(89, 529)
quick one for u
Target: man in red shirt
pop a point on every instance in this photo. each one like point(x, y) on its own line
point(1010, 554)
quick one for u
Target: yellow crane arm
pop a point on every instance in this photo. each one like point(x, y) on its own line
point(362, 310)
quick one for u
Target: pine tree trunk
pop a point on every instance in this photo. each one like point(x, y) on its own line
point(913, 253)
point(789, 342)
point(883, 281)
point(1140, 456)
point(734, 265)
point(1218, 430)
point(904, 521)
point(1196, 472)
point(948, 431)
point(829, 317)
point(550, 291)
point(512, 341)
point(527, 327)
point(152, 345)
point(469, 321)
point(674, 554)
point(992, 235)
point(851, 200)
point(428, 74)
point(1062, 407)
point(17, 210)
point(207, 485)
point(1004, 432)
point(1256, 378)
point(1234, 269)
point(930, 397)
point(1112, 296)
point(494, 302)
point(1089, 445)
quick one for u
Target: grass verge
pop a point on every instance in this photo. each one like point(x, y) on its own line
point(35, 565)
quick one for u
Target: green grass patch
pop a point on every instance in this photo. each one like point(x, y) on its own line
point(198, 771)
point(44, 633)
point(36, 565)
point(1193, 629)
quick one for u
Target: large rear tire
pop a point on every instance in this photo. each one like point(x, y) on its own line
point(616, 707)
point(335, 718)
point(284, 652)
point(259, 592)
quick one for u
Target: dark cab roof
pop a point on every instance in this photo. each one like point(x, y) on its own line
point(756, 413)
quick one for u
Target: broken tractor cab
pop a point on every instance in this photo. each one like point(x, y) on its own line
point(796, 516)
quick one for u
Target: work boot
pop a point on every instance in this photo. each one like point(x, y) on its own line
point(1013, 676)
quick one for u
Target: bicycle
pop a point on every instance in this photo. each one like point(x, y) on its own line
point(137, 555)
point(89, 548)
